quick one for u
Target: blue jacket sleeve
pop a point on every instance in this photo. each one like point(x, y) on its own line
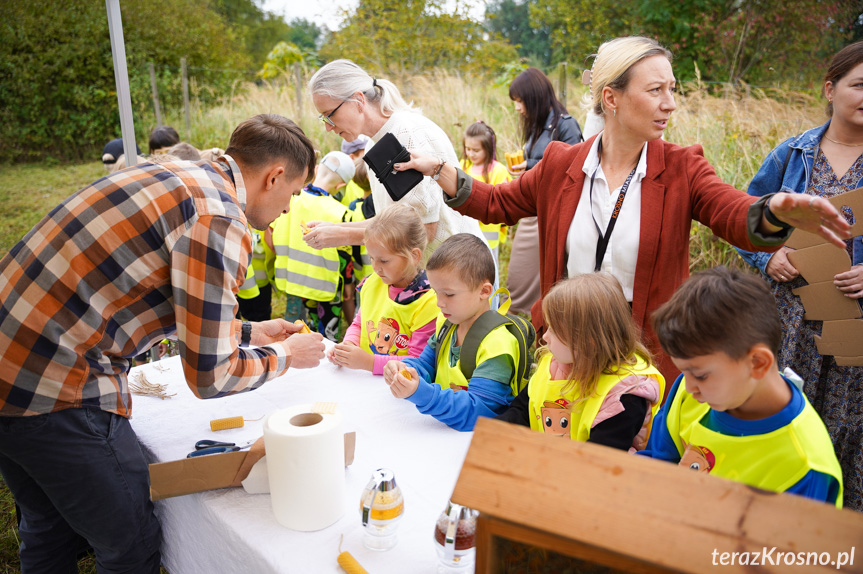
point(460, 409)
point(768, 180)
point(818, 486)
point(425, 363)
point(660, 444)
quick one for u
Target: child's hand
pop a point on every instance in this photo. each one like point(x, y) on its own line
point(402, 387)
point(349, 355)
point(391, 369)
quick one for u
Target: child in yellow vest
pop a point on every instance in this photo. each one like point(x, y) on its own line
point(397, 308)
point(479, 159)
point(462, 273)
point(732, 413)
point(594, 381)
point(316, 276)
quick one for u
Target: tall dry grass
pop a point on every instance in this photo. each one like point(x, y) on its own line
point(736, 129)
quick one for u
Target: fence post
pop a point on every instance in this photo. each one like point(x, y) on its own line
point(186, 99)
point(155, 95)
point(299, 87)
point(562, 84)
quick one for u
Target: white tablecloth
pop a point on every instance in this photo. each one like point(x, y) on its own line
point(226, 531)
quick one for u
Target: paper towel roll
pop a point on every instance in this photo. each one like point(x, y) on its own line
point(306, 467)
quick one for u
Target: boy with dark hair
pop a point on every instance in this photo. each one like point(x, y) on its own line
point(731, 413)
point(462, 272)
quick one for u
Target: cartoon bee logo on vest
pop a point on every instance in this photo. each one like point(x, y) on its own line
point(387, 341)
point(697, 458)
point(556, 417)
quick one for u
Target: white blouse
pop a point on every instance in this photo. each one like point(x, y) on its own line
point(622, 252)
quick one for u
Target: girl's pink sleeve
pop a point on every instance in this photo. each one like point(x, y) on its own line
point(355, 331)
point(419, 338)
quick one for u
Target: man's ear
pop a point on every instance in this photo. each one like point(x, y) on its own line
point(273, 174)
point(761, 360)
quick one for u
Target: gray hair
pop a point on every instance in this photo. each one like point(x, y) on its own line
point(341, 79)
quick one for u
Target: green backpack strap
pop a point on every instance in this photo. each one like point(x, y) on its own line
point(441, 336)
point(484, 325)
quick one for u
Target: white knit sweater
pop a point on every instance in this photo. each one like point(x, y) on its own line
point(421, 135)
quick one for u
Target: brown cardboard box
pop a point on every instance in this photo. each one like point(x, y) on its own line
point(197, 474)
point(818, 262)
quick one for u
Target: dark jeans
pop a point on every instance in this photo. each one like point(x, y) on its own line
point(257, 308)
point(79, 473)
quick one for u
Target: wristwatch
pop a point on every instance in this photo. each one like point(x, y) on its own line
point(436, 175)
point(245, 334)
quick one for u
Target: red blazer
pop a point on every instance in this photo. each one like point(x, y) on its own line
point(680, 186)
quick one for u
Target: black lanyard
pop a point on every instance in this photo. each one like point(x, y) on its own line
point(602, 242)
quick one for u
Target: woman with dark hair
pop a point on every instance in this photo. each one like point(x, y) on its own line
point(543, 120)
point(822, 162)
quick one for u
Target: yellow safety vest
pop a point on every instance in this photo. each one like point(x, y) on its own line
point(352, 191)
point(498, 342)
point(555, 412)
point(262, 267)
point(773, 461)
point(494, 233)
point(387, 326)
point(301, 270)
point(362, 268)
point(249, 289)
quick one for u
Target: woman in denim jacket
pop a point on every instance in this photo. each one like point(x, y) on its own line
point(824, 161)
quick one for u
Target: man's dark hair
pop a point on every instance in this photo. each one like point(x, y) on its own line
point(267, 138)
point(718, 310)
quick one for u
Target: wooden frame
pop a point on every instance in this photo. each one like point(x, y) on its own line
point(634, 514)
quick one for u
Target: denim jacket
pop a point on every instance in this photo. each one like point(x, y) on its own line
point(770, 179)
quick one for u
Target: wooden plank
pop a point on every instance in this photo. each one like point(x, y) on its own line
point(645, 509)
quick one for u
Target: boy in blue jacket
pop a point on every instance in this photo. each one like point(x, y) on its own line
point(462, 273)
point(732, 413)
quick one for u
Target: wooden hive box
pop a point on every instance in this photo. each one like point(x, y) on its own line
point(615, 512)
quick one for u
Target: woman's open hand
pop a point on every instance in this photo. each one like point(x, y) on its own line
point(811, 213)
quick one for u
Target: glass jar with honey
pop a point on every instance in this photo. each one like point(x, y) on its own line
point(381, 508)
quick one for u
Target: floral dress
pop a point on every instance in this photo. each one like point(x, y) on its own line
point(835, 392)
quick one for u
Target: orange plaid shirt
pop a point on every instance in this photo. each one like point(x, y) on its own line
point(141, 254)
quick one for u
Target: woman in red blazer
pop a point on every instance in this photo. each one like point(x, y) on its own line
point(575, 192)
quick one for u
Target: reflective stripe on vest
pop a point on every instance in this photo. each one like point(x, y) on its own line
point(491, 232)
point(554, 412)
point(299, 269)
point(773, 461)
point(388, 326)
point(249, 288)
point(498, 342)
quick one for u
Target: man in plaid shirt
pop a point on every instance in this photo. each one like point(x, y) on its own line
point(149, 251)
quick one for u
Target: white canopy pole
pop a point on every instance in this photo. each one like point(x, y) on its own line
point(121, 77)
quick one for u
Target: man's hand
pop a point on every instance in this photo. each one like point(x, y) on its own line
point(306, 350)
point(272, 331)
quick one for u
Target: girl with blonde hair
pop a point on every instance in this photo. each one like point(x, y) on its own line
point(594, 380)
point(397, 306)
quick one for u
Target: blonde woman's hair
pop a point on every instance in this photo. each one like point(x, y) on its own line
point(399, 229)
point(590, 315)
point(341, 79)
point(612, 65)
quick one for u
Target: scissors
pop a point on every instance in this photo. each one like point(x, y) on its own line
point(207, 446)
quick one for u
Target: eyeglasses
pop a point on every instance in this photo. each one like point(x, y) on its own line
point(327, 119)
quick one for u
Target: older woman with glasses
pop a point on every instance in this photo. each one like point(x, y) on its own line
point(351, 103)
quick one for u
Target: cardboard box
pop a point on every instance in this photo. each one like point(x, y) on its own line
point(200, 473)
point(818, 262)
